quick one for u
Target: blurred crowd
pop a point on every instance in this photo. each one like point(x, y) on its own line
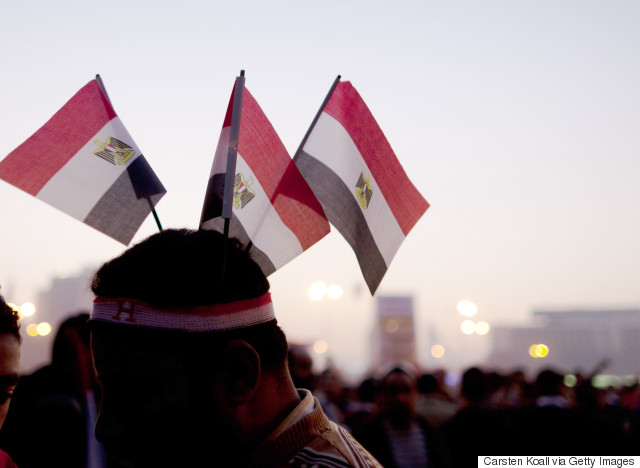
point(405, 417)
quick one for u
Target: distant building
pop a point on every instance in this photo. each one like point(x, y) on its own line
point(64, 297)
point(393, 335)
point(577, 341)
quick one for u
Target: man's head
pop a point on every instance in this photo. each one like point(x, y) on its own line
point(399, 395)
point(9, 355)
point(184, 338)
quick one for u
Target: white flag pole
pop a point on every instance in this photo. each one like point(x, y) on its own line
point(315, 119)
point(153, 209)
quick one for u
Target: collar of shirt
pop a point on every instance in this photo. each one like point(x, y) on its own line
point(305, 407)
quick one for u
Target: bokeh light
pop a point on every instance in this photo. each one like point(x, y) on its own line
point(317, 290)
point(335, 291)
point(320, 347)
point(32, 329)
point(570, 380)
point(482, 328)
point(467, 308)
point(538, 350)
point(542, 350)
point(468, 327)
point(391, 325)
point(44, 328)
point(27, 309)
point(437, 351)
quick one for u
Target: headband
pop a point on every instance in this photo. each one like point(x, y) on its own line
point(209, 318)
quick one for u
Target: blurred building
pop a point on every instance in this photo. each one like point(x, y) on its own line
point(393, 335)
point(570, 341)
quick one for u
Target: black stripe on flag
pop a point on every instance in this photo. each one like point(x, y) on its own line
point(237, 231)
point(344, 212)
point(122, 209)
point(212, 219)
point(212, 207)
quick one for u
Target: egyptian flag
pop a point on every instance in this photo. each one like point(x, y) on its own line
point(84, 162)
point(274, 212)
point(360, 183)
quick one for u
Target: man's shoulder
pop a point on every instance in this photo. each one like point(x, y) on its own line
point(334, 447)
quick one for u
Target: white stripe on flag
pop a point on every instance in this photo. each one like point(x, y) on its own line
point(348, 164)
point(260, 220)
point(79, 184)
point(263, 223)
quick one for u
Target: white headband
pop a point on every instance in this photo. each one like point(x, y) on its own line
point(216, 317)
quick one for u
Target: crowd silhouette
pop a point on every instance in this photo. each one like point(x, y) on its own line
point(405, 418)
point(486, 413)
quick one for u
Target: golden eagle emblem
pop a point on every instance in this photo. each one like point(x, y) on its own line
point(364, 191)
point(242, 193)
point(114, 151)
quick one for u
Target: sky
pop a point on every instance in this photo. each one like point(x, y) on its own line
point(516, 120)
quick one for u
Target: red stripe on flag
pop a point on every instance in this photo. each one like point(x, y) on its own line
point(348, 108)
point(31, 165)
point(227, 116)
point(281, 180)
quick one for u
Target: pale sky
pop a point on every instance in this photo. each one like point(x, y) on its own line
point(517, 121)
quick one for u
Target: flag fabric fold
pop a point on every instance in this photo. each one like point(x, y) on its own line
point(275, 213)
point(84, 162)
point(361, 185)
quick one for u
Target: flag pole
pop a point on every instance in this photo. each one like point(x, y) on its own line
point(234, 133)
point(153, 209)
point(230, 174)
point(315, 119)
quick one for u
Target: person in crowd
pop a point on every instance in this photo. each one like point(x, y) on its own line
point(331, 394)
point(9, 365)
point(475, 429)
point(552, 425)
point(55, 407)
point(398, 436)
point(434, 404)
point(193, 364)
point(361, 407)
point(301, 367)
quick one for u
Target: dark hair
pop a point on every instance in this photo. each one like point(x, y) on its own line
point(183, 268)
point(9, 320)
point(474, 385)
point(549, 382)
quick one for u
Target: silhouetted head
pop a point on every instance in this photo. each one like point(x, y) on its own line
point(183, 332)
point(399, 389)
point(301, 367)
point(474, 387)
point(549, 382)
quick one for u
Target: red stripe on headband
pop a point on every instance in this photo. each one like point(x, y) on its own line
point(216, 317)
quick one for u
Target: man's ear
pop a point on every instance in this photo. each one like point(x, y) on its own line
point(241, 372)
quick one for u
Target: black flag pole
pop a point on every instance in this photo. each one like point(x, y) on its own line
point(153, 208)
point(315, 119)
